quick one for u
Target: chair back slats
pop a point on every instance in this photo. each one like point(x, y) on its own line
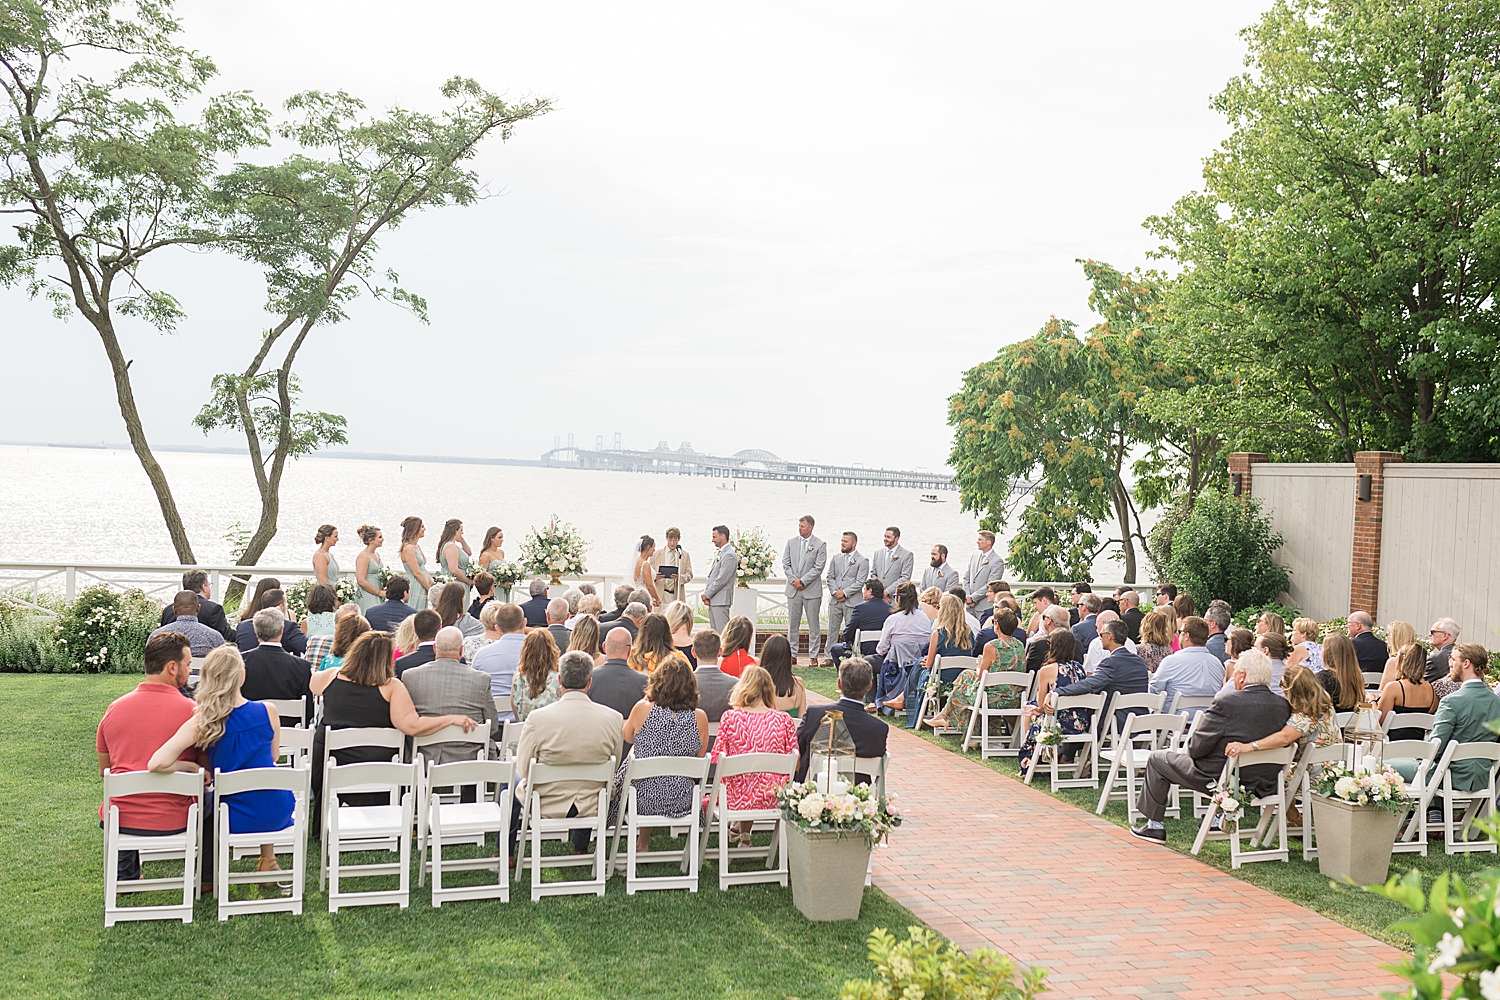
point(254, 779)
point(453, 734)
point(546, 774)
point(1413, 749)
point(1280, 755)
point(668, 767)
point(757, 763)
point(471, 772)
point(1475, 751)
point(362, 776)
point(119, 784)
point(342, 739)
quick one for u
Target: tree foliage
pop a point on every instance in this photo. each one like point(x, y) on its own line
point(1342, 261)
point(1225, 550)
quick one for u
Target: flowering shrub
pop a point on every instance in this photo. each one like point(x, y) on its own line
point(1363, 786)
point(556, 549)
point(28, 641)
point(756, 555)
point(104, 631)
point(1231, 801)
point(928, 967)
point(1456, 932)
point(841, 808)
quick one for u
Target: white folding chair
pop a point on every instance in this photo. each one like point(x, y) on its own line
point(532, 820)
point(392, 740)
point(1372, 679)
point(453, 823)
point(983, 712)
point(1191, 706)
point(1087, 743)
point(721, 814)
point(1410, 720)
point(289, 708)
point(1301, 784)
point(1412, 837)
point(862, 636)
point(298, 781)
point(941, 664)
point(478, 746)
point(632, 821)
point(1456, 837)
point(510, 738)
point(349, 828)
point(195, 668)
point(1342, 719)
point(1144, 734)
point(1282, 756)
point(296, 746)
point(185, 846)
point(505, 705)
point(1130, 704)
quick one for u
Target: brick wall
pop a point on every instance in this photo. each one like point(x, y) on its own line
point(1364, 585)
point(1239, 465)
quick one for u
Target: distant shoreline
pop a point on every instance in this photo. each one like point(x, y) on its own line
point(368, 456)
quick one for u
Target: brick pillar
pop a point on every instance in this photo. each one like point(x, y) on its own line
point(1364, 576)
point(1239, 465)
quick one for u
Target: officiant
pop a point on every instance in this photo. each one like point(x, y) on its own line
point(672, 568)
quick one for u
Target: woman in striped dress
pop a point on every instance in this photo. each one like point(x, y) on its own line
point(752, 725)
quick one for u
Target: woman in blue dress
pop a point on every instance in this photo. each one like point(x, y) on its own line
point(237, 734)
point(453, 554)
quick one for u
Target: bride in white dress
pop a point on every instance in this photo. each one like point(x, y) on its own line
point(641, 575)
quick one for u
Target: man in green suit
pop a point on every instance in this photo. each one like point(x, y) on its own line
point(1462, 717)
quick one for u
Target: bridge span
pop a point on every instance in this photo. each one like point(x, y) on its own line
point(752, 463)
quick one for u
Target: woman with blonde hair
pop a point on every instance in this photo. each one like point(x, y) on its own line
point(235, 734)
point(1005, 653)
point(737, 640)
point(752, 725)
point(1270, 623)
point(585, 637)
point(951, 636)
point(929, 601)
point(412, 532)
point(680, 620)
point(1173, 624)
point(652, 644)
point(1156, 639)
point(1398, 635)
point(405, 640)
point(536, 675)
point(1305, 647)
point(1340, 675)
point(1408, 693)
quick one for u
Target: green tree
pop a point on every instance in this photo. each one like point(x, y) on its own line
point(1225, 550)
point(1342, 261)
point(313, 225)
point(103, 174)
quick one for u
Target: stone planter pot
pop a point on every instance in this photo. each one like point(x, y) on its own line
point(827, 872)
point(1353, 841)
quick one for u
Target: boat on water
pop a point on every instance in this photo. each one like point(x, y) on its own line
point(930, 498)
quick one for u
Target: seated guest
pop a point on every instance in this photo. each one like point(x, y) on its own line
point(992, 590)
point(1037, 647)
point(752, 726)
point(1219, 620)
point(536, 674)
point(591, 605)
point(319, 646)
point(557, 615)
point(1306, 649)
point(270, 671)
point(1121, 672)
point(903, 639)
point(450, 608)
point(615, 684)
point(535, 609)
point(137, 724)
point(484, 593)
point(1156, 640)
point(1463, 717)
point(235, 734)
point(963, 596)
point(714, 686)
point(1408, 694)
point(653, 643)
point(667, 722)
point(622, 598)
point(1444, 633)
point(365, 694)
point(868, 615)
point(776, 659)
point(489, 618)
point(869, 734)
point(386, 616)
point(1004, 653)
point(1312, 719)
point(633, 618)
point(927, 603)
point(426, 623)
point(1042, 598)
point(1192, 672)
point(571, 597)
point(1340, 675)
point(1398, 635)
point(405, 639)
point(735, 646)
point(1371, 652)
point(209, 613)
point(642, 596)
point(1274, 646)
point(1270, 623)
point(201, 637)
point(585, 635)
point(1061, 669)
point(951, 636)
point(1087, 629)
point(680, 620)
point(1096, 651)
point(1131, 614)
point(448, 687)
point(322, 601)
point(1248, 714)
point(292, 637)
point(500, 658)
point(572, 730)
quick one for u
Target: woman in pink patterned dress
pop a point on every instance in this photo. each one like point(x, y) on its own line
point(752, 725)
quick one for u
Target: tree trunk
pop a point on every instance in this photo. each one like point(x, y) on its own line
point(1122, 514)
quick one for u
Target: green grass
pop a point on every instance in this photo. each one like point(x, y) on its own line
point(1296, 880)
point(748, 942)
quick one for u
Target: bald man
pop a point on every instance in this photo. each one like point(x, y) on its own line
point(1368, 647)
point(614, 683)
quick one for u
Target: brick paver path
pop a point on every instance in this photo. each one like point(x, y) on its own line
point(989, 862)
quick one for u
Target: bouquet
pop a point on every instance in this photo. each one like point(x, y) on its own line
point(556, 549)
point(1231, 801)
point(506, 573)
point(298, 593)
point(387, 571)
point(840, 808)
point(1050, 733)
point(756, 555)
point(1364, 785)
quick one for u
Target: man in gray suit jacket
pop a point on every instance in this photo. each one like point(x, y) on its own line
point(802, 561)
point(718, 586)
point(714, 684)
point(447, 687)
point(615, 684)
point(984, 566)
point(892, 564)
point(939, 574)
point(847, 573)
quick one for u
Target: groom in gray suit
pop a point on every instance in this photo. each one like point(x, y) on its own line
point(847, 573)
point(892, 564)
point(718, 587)
point(802, 561)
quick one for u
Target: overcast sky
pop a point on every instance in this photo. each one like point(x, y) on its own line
point(788, 226)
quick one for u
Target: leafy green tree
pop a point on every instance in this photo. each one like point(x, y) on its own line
point(1342, 261)
point(1225, 550)
point(103, 174)
point(313, 225)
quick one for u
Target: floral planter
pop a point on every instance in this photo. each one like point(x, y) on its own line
point(1354, 842)
point(827, 872)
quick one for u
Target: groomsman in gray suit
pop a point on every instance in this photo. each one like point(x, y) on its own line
point(940, 574)
point(802, 561)
point(718, 587)
point(847, 573)
point(892, 564)
point(984, 566)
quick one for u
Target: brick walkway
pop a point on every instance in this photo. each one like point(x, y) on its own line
point(990, 862)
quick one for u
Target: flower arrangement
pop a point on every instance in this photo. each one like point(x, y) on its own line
point(1364, 785)
point(506, 573)
point(298, 593)
point(556, 549)
point(106, 631)
point(1231, 801)
point(838, 807)
point(756, 555)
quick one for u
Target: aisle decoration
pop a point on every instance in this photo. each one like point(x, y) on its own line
point(756, 556)
point(1356, 813)
point(556, 549)
point(1231, 799)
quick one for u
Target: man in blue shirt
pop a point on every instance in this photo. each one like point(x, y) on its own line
point(185, 620)
point(500, 658)
point(1192, 672)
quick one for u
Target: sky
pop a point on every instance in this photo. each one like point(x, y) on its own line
point(786, 226)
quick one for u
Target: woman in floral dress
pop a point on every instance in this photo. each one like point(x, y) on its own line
point(752, 725)
point(1060, 669)
point(1005, 653)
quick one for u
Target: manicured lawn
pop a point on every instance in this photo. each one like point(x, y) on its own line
point(748, 942)
point(1297, 880)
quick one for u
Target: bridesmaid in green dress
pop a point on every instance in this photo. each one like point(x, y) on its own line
point(412, 531)
point(325, 567)
point(367, 567)
point(453, 556)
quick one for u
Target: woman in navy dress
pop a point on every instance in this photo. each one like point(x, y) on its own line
point(667, 722)
point(236, 734)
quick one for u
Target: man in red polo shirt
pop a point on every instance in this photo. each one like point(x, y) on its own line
point(134, 727)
